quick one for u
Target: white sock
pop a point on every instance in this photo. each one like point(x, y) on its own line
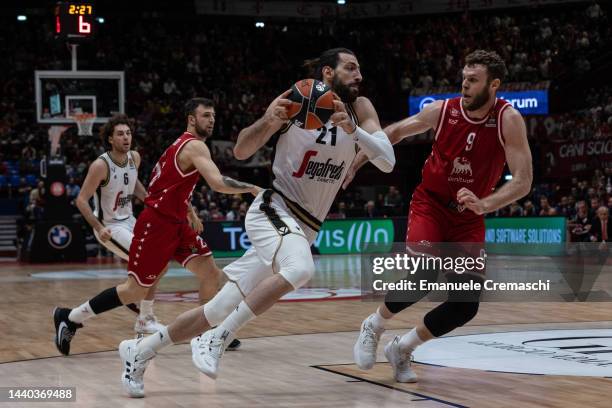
point(410, 341)
point(155, 341)
point(146, 307)
point(81, 313)
point(238, 318)
point(378, 321)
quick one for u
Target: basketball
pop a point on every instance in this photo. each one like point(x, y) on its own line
point(313, 104)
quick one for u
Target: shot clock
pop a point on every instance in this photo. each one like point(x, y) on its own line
point(74, 20)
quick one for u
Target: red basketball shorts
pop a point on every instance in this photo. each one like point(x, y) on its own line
point(156, 241)
point(433, 227)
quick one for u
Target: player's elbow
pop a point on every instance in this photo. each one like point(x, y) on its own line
point(80, 203)
point(384, 164)
point(525, 188)
point(240, 153)
point(216, 183)
point(523, 185)
point(216, 186)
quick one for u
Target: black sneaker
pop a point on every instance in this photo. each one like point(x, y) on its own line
point(64, 329)
point(234, 345)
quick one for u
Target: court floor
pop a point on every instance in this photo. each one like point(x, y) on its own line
point(299, 354)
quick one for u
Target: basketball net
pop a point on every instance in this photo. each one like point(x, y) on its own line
point(85, 123)
point(55, 133)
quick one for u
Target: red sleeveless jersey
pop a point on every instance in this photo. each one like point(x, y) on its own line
point(466, 152)
point(170, 189)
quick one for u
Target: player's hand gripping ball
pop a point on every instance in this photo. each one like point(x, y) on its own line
point(312, 104)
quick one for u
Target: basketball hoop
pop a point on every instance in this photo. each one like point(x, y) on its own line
point(85, 123)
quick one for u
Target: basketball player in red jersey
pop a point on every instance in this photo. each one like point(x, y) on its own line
point(164, 229)
point(475, 135)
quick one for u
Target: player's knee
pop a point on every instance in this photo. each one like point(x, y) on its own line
point(395, 306)
point(131, 291)
point(450, 315)
point(298, 270)
point(204, 268)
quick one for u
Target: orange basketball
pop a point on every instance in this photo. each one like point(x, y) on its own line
point(312, 104)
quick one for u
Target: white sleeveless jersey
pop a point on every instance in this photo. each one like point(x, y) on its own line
point(113, 198)
point(309, 167)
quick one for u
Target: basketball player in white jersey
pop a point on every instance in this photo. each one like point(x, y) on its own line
point(309, 168)
point(112, 181)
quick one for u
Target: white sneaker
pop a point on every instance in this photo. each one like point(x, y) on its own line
point(147, 324)
point(400, 362)
point(364, 351)
point(134, 365)
point(207, 350)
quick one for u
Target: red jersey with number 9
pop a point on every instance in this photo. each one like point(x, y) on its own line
point(170, 189)
point(466, 152)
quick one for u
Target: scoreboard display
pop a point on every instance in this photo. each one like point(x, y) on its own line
point(74, 20)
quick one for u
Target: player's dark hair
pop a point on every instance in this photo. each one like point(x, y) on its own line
point(328, 58)
point(107, 130)
point(496, 67)
point(193, 103)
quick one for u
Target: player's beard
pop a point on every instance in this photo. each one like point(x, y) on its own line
point(345, 92)
point(479, 100)
point(203, 133)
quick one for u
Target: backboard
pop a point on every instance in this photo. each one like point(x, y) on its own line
point(61, 94)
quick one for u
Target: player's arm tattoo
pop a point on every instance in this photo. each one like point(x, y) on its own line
point(230, 182)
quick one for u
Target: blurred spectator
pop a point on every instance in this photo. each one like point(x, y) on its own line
point(601, 226)
point(580, 225)
point(594, 206)
point(516, 210)
point(24, 188)
point(338, 211)
point(370, 210)
point(37, 203)
point(529, 209)
point(545, 207)
point(564, 208)
point(394, 200)
point(234, 213)
point(28, 153)
point(214, 213)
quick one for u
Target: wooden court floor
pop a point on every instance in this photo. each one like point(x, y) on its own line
point(299, 354)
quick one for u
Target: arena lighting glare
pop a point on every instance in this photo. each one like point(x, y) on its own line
point(21, 17)
point(341, 2)
point(508, 177)
point(259, 24)
point(100, 20)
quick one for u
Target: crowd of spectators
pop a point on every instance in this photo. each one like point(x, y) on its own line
point(582, 202)
point(242, 68)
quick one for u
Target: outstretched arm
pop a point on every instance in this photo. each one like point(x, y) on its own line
point(396, 132)
point(415, 124)
point(197, 153)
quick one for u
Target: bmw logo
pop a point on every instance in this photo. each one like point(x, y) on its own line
point(59, 236)
point(425, 101)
